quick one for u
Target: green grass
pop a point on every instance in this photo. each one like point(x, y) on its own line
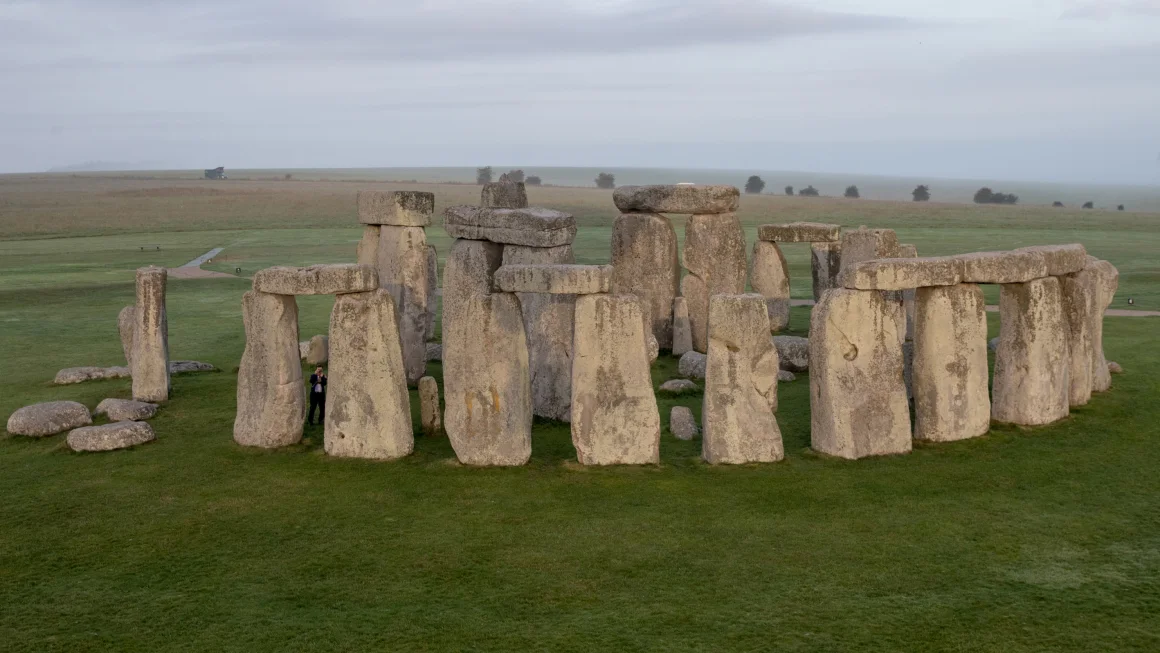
point(1022, 540)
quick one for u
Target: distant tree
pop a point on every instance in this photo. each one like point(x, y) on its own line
point(516, 176)
point(754, 185)
point(789, 190)
point(852, 192)
point(987, 196)
point(1089, 205)
point(533, 181)
point(288, 176)
point(1120, 207)
point(605, 180)
point(921, 193)
point(1057, 204)
point(809, 191)
point(483, 175)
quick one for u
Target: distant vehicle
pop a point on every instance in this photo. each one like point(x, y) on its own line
point(216, 173)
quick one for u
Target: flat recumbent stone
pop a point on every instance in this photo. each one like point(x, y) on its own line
point(554, 279)
point(49, 418)
point(800, 232)
point(902, 273)
point(399, 208)
point(680, 198)
point(533, 227)
point(109, 437)
point(1060, 259)
point(317, 279)
point(1019, 266)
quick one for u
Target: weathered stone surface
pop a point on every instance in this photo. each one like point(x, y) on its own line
point(1078, 292)
point(692, 365)
point(469, 269)
point(908, 367)
point(303, 349)
point(554, 279)
point(49, 418)
point(793, 353)
point(127, 328)
point(615, 420)
point(121, 410)
point(1115, 368)
point(825, 265)
point(902, 273)
point(645, 263)
point(858, 404)
point(532, 227)
point(740, 384)
point(682, 342)
point(1060, 259)
point(908, 251)
point(714, 254)
point(548, 323)
point(679, 385)
point(271, 395)
point(1107, 282)
point(402, 267)
point(150, 368)
point(682, 424)
point(316, 279)
point(430, 414)
point(680, 198)
point(109, 437)
point(368, 410)
point(864, 244)
point(432, 289)
point(800, 232)
point(488, 415)
point(1018, 266)
point(399, 208)
point(434, 351)
point(504, 195)
point(71, 375)
point(652, 347)
point(318, 350)
point(950, 364)
point(769, 276)
point(183, 367)
point(1031, 383)
point(784, 376)
point(367, 251)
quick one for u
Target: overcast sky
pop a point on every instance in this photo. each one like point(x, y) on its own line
point(1054, 90)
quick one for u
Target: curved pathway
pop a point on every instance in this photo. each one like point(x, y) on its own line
point(192, 270)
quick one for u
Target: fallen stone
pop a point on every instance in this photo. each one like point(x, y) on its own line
point(316, 279)
point(615, 420)
point(858, 404)
point(469, 269)
point(368, 409)
point(49, 418)
point(318, 350)
point(402, 271)
point(1107, 282)
point(183, 367)
point(784, 376)
point(714, 254)
point(504, 195)
point(682, 424)
point(825, 264)
point(71, 375)
point(109, 437)
point(430, 415)
point(432, 289)
point(434, 351)
point(367, 251)
point(902, 273)
point(682, 330)
point(679, 385)
point(950, 364)
point(532, 227)
point(800, 232)
point(554, 279)
point(681, 198)
point(864, 244)
point(769, 276)
point(692, 365)
point(121, 410)
point(150, 368)
point(1078, 292)
point(398, 208)
point(993, 344)
point(645, 263)
point(1031, 384)
point(271, 395)
point(1060, 259)
point(127, 327)
point(488, 414)
point(740, 384)
point(793, 353)
point(1002, 267)
point(1114, 368)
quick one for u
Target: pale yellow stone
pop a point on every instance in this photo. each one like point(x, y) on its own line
point(1031, 384)
point(951, 400)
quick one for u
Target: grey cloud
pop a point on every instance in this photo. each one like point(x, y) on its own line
point(1105, 9)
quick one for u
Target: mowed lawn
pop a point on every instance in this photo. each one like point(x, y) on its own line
point(1023, 540)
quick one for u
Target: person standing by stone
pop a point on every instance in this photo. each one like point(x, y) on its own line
point(317, 396)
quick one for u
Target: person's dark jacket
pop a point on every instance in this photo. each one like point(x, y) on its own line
point(314, 381)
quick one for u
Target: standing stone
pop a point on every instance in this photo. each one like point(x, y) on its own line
point(1107, 281)
point(682, 424)
point(150, 366)
point(368, 248)
point(908, 251)
point(469, 269)
point(368, 410)
point(126, 328)
point(318, 350)
point(858, 403)
point(432, 290)
point(1079, 295)
point(645, 264)
point(682, 330)
point(769, 276)
point(430, 416)
point(548, 323)
point(825, 264)
point(1031, 366)
point(504, 194)
point(271, 395)
point(402, 269)
point(867, 244)
point(740, 384)
point(488, 414)
point(714, 255)
point(615, 420)
point(950, 364)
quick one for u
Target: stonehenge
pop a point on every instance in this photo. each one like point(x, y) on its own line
point(271, 396)
point(769, 273)
point(950, 363)
point(1031, 385)
point(150, 362)
point(715, 261)
point(645, 263)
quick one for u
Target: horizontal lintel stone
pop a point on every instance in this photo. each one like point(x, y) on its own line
point(399, 208)
point(902, 273)
point(317, 279)
point(679, 198)
point(1061, 259)
point(800, 232)
point(1018, 266)
point(554, 279)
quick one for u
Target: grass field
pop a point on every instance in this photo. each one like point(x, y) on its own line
point(1022, 540)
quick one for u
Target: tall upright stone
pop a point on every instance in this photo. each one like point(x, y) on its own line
point(825, 265)
point(430, 416)
point(1079, 293)
point(150, 363)
point(432, 290)
point(504, 194)
point(469, 269)
point(487, 386)
point(769, 276)
point(951, 400)
point(1107, 281)
point(615, 420)
point(271, 395)
point(127, 329)
point(1031, 385)
point(682, 330)
point(864, 244)
point(740, 384)
point(368, 409)
point(644, 257)
point(714, 255)
point(858, 404)
point(367, 251)
point(908, 251)
point(402, 265)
